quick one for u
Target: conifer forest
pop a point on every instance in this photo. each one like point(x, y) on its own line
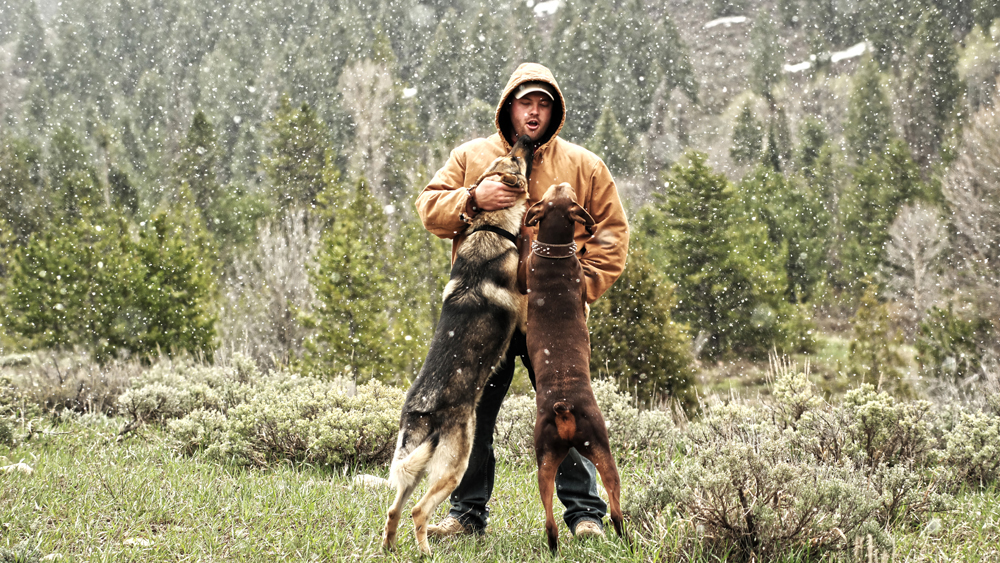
point(230, 184)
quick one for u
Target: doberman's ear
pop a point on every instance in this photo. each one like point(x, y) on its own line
point(580, 215)
point(535, 214)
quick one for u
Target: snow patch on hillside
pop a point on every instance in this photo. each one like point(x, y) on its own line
point(850, 53)
point(726, 21)
point(546, 8)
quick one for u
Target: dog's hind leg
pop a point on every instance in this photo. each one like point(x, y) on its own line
point(403, 492)
point(445, 472)
point(435, 495)
point(600, 456)
point(548, 466)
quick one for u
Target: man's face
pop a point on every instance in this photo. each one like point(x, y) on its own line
point(530, 115)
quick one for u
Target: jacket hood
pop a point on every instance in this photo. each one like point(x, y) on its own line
point(530, 72)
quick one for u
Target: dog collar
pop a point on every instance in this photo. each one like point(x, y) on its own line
point(546, 250)
point(505, 234)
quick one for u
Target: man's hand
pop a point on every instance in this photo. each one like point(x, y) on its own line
point(492, 195)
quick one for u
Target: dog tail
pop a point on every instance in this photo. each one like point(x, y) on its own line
point(565, 421)
point(406, 471)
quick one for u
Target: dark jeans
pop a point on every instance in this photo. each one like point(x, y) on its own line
point(576, 481)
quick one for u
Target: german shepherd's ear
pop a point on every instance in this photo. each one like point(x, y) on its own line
point(580, 215)
point(535, 213)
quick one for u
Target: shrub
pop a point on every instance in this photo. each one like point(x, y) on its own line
point(6, 433)
point(170, 390)
point(301, 419)
point(882, 431)
point(233, 413)
point(794, 474)
point(742, 482)
point(20, 553)
point(67, 381)
point(972, 448)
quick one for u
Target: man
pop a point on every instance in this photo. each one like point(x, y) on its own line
point(532, 105)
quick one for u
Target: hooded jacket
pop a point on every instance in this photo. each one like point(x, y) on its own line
point(442, 202)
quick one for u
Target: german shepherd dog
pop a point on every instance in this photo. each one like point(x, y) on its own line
point(482, 307)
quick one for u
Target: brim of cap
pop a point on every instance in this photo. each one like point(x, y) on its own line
point(526, 91)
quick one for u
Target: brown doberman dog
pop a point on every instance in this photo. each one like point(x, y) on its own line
point(559, 349)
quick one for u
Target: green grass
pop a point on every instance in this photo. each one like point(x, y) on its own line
point(94, 498)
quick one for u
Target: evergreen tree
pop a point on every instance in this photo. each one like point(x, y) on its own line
point(416, 280)
point(874, 351)
point(609, 143)
point(32, 56)
point(869, 117)
point(796, 221)
point(814, 137)
point(748, 137)
point(196, 167)
point(74, 183)
point(94, 286)
point(487, 56)
point(352, 321)
point(440, 80)
point(723, 8)
point(889, 26)
point(768, 55)
point(635, 340)
point(577, 60)
point(729, 276)
point(298, 154)
point(932, 85)
point(869, 206)
point(632, 71)
point(675, 59)
point(20, 187)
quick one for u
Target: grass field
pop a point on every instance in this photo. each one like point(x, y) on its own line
point(91, 497)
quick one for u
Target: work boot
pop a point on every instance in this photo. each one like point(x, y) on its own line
point(448, 527)
point(588, 529)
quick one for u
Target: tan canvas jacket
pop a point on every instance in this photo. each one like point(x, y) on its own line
point(602, 256)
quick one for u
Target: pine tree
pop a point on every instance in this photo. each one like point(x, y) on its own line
point(577, 60)
point(197, 165)
point(416, 280)
point(20, 186)
point(932, 85)
point(729, 276)
point(796, 221)
point(765, 67)
point(352, 321)
point(874, 351)
point(609, 143)
point(439, 81)
point(73, 180)
point(91, 285)
point(814, 137)
point(868, 207)
point(298, 154)
point(748, 137)
point(487, 56)
point(675, 59)
point(634, 338)
point(869, 117)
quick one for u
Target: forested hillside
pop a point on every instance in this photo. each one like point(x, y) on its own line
point(205, 177)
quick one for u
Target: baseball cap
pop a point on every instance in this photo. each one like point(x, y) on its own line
point(529, 87)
